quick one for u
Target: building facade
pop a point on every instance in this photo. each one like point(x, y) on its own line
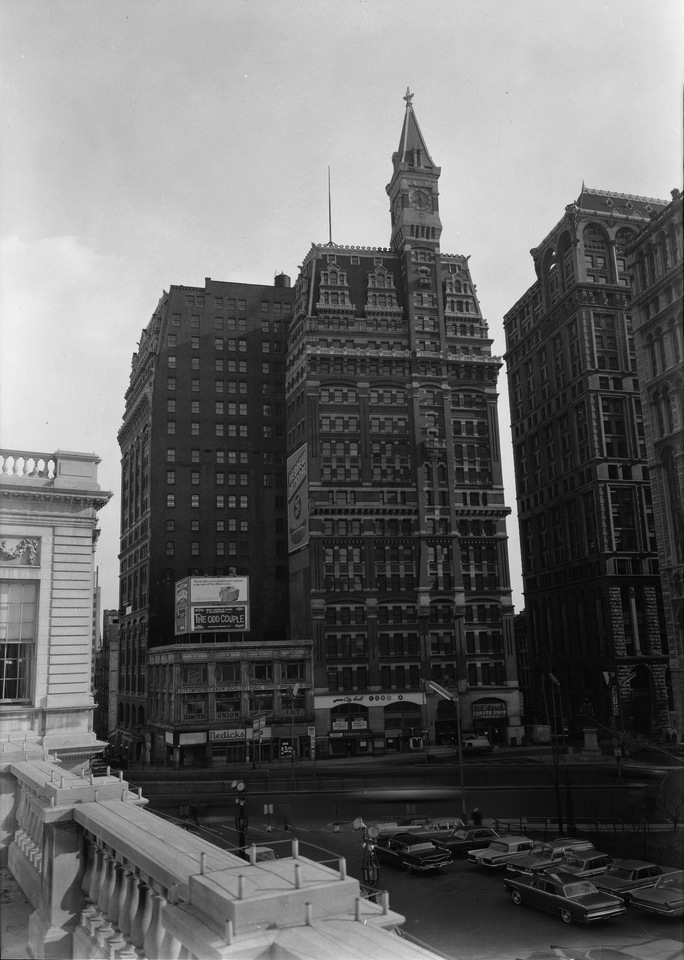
point(396, 515)
point(655, 260)
point(48, 528)
point(203, 495)
point(597, 643)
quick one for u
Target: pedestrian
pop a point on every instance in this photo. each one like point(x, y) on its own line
point(476, 817)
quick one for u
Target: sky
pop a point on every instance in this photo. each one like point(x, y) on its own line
point(146, 143)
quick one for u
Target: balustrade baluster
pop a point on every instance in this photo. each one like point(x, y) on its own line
point(98, 875)
point(141, 920)
point(130, 906)
point(89, 851)
point(155, 930)
point(119, 894)
point(107, 887)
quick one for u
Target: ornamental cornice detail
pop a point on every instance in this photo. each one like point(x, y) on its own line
point(97, 502)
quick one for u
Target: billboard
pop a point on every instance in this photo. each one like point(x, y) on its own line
point(212, 605)
point(297, 500)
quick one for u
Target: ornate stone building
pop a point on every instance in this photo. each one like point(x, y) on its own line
point(595, 619)
point(397, 538)
point(657, 317)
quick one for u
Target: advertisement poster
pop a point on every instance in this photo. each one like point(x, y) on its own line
point(212, 605)
point(297, 500)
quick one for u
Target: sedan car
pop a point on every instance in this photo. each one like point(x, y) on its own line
point(624, 876)
point(665, 897)
point(563, 894)
point(474, 744)
point(428, 828)
point(546, 855)
point(460, 841)
point(411, 853)
point(500, 851)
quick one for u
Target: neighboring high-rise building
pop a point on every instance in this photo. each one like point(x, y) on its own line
point(398, 551)
point(203, 495)
point(593, 604)
point(657, 317)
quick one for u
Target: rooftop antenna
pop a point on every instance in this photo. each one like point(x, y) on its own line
point(330, 241)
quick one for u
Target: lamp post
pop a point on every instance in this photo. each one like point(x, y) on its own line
point(455, 699)
point(569, 808)
point(293, 690)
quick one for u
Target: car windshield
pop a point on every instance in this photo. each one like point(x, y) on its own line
point(420, 847)
point(622, 873)
point(498, 846)
point(580, 889)
point(461, 834)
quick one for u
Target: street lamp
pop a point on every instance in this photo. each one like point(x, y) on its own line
point(569, 808)
point(443, 692)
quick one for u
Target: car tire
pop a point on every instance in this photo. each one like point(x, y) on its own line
point(566, 916)
point(516, 897)
point(406, 867)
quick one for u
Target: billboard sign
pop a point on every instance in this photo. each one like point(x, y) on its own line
point(212, 605)
point(297, 500)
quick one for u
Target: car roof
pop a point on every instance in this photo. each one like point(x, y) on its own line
point(410, 838)
point(562, 877)
point(632, 864)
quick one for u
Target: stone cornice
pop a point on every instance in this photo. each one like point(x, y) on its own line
point(96, 501)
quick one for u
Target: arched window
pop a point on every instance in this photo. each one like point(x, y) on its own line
point(597, 255)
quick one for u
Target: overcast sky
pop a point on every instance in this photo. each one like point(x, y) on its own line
point(148, 143)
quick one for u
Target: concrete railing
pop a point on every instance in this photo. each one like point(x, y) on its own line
point(108, 879)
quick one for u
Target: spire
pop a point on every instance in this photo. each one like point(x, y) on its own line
point(412, 148)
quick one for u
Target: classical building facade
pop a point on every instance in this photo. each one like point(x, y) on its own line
point(597, 643)
point(397, 540)
point(658, 320)
point(203, 495)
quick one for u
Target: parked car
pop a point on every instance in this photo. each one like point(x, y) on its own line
point(545, 855)
point(475, 743)
point(426, 827)
point(499, 851)
point(411, 853)
point(561, 893)
point(622, 877)
point(585, 863)
point(460, 841)
point(665, 897)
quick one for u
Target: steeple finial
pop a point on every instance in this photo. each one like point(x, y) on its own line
point(409, 97)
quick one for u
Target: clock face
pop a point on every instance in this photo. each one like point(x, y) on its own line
point(420, 200)
point(397, 207)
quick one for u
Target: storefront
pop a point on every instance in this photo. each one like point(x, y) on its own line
point(375, 723)
point(490, 717)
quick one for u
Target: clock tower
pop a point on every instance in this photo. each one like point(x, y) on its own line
point(413, 189)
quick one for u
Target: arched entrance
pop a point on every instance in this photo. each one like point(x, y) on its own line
point(350, 734)
point(403, 727)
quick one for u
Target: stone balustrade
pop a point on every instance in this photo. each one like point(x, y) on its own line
point(24, 463)
point(108, 879)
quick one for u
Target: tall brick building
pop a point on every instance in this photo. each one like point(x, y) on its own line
point(203, 495)
point(656, 259)
point(397, 540)
point(594, 611)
